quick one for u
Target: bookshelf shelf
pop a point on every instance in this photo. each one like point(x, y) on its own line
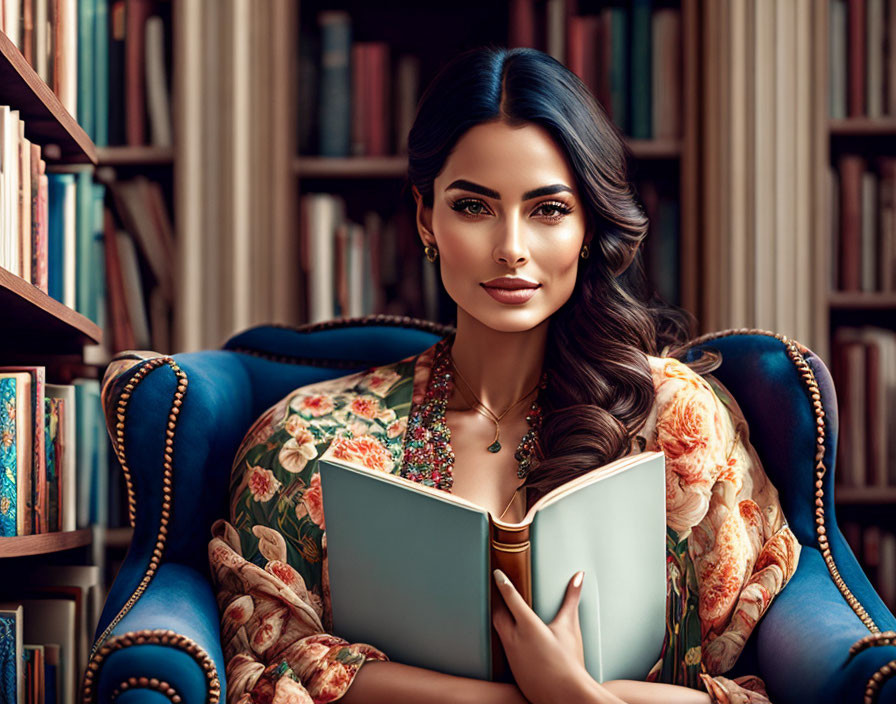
point(852, 300)
point(47, 122)
point(396, 166)
point(862, 127)
point(39, 323)
point(43, 543)
point(134, 156)
point(863, 495)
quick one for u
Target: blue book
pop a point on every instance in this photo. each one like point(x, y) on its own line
point(86, 68)
point(335, 83)
point(58, 195)
point(15, 455)
point(386, 579)
point(12, 672)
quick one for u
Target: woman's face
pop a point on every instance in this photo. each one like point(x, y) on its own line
point(505, 205)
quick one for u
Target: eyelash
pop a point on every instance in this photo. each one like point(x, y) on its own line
point(461, 204)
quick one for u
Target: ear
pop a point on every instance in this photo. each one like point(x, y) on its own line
point(424, 219)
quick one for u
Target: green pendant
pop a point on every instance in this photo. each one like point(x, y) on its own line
point(494, 447)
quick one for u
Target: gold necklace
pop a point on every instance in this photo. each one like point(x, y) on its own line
point(490, 414)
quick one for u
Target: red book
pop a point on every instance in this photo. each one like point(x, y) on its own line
point(849, 248)
point(360, 99)
point(379, 92)
point(136, 14)
point(522, 23)
point(121, 332)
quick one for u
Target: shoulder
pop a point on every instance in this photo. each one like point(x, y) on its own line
point(356, 404)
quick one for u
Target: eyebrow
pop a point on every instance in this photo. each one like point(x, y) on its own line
point(489, 193)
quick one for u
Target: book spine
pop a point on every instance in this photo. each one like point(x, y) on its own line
point(9, 509)
point(335, 84)
point(511, 552)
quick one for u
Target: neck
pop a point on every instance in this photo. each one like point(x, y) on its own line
point(499, 366)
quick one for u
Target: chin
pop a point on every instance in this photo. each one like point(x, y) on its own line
point(511, 319)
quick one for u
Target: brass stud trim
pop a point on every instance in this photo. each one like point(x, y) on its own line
point(167, 473)
point(151, 637)
point(796, 352)
point(148, 683)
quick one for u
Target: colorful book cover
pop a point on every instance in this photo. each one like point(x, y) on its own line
point(12, 675)
point(17, 456)
point(37, 502)
point(53, 467)
point(8, 502)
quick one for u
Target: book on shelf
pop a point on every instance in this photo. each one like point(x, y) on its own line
point(52, 621)
point(353, 269)
point(864, 231)
point(398, 548)
point(12, 680)
point(875, 548)
point(64, 485)
point(629, 57)
point(862, 63)
point(356, 98)
point(107, 61)
point(864, 373)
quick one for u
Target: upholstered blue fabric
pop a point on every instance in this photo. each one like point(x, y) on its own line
point(801, 645)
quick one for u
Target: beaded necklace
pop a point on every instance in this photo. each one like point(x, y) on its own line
point(428, 457)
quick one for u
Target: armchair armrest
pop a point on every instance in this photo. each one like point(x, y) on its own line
point(804, 641)
point(168, 643)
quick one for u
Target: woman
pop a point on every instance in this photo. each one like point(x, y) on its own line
point(522, 203)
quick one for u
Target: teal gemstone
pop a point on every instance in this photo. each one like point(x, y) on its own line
point(494, 447)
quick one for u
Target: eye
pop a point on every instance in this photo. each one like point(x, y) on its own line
point(561, 210)
point(462, 205)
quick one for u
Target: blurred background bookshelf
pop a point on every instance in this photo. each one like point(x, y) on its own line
point(861, 171)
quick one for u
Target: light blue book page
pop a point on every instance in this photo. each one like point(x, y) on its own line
point(614, 529)
point(433, 546)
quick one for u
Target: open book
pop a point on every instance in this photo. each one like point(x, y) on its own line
point(410, 566)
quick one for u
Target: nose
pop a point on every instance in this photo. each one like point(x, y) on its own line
point(511, 247)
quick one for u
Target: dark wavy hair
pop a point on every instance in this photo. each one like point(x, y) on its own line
point(600, 391)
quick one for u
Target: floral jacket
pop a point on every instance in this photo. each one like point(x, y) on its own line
point(729, 548)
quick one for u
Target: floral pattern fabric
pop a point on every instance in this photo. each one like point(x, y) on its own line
point(729, 549)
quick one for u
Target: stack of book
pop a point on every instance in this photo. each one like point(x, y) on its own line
point(107, 60)
point(53, 453)
point(138, 237)
point(45, 632)
point(875, 548)
point(346, 105)
point(862, 75)
point(863, 217)
point(375, 266)
point(864, 372)
point(629, 56)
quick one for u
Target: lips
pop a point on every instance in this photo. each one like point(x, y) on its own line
point(509, 282)
point(515, 295)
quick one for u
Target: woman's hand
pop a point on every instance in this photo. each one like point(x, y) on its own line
point(547, 660)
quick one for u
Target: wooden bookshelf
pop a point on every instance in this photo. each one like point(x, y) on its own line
point(135, 156)
point(862, 127)
point(47, 122)
point(41, 323)
point(43, 543)
point(865, 495)
point(396, 166)
point(853, 300)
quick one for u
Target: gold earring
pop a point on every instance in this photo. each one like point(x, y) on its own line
point(431, 252)
point(585, 251)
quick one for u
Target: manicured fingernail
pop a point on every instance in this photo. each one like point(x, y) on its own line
point(500, 577)
point(577, 580)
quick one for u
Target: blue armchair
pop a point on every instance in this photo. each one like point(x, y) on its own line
point(176, 421)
